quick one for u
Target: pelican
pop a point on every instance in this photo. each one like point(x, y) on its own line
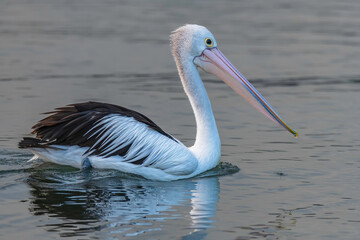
point(107, 136)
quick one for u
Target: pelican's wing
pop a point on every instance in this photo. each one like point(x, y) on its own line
point(107, 130)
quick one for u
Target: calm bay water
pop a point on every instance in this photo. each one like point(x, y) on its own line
point(303, 56)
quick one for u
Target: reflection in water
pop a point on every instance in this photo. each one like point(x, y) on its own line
point(88, 201)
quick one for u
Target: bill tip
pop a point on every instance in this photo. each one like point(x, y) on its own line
point(296, 134)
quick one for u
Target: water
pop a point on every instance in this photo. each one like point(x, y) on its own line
point(303, 56)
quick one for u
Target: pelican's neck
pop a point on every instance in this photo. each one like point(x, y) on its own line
point(207, 144)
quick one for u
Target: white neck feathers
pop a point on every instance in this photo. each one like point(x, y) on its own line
point(207, 143)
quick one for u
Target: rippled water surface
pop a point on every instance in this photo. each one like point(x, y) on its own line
point(302, 55)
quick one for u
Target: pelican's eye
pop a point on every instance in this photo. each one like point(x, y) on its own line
point(209, 42)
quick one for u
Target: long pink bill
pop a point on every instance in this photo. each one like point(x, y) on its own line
point(213, 61)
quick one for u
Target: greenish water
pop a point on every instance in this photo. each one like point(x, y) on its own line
point(303, 56)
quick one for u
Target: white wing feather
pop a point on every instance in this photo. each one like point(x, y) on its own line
point(159, 151)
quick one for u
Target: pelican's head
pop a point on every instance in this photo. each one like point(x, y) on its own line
point(194, 44)
point(190, 41)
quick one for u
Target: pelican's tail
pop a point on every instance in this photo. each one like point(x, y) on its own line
point(29, 142)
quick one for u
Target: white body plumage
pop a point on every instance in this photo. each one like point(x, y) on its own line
point(165, 159)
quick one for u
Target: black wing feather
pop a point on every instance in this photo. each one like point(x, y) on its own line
point(74, 124)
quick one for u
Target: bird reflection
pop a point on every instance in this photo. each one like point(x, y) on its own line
point(85, 202)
